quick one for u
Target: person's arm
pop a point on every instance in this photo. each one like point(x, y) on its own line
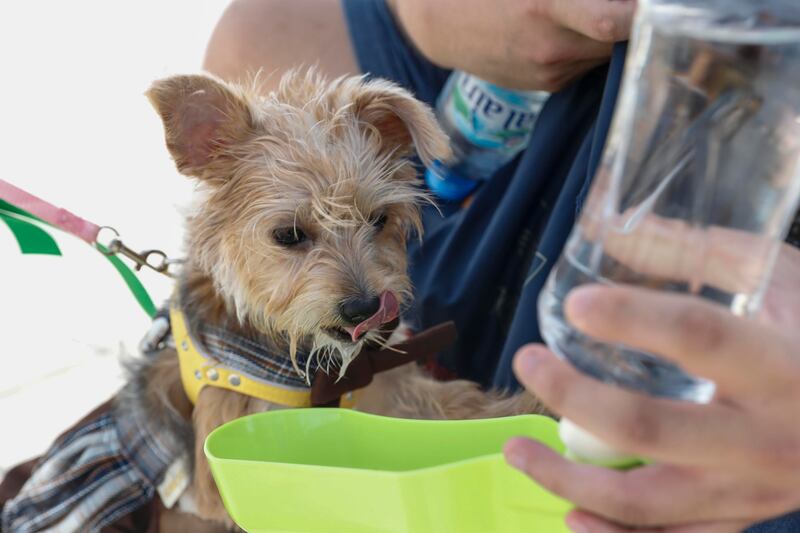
point(517, 44)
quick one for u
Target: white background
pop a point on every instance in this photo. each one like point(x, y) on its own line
point(76, 130)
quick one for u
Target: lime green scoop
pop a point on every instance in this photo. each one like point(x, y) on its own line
point(342, 471)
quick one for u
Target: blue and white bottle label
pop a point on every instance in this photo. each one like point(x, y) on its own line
point(489, 116)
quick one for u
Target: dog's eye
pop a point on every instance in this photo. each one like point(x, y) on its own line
point(290, 236)
point(380, 222)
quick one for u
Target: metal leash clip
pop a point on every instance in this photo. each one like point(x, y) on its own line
point(153, 259)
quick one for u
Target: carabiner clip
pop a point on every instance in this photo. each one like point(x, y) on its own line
point(153, 259)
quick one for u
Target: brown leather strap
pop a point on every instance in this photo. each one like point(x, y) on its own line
point(327, 389)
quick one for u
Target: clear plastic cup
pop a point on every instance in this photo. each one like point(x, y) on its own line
point(699, 181)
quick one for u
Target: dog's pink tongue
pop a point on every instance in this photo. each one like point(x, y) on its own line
point(387, 312)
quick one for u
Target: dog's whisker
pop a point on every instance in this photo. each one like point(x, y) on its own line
point(393, 349)
point(308, 370)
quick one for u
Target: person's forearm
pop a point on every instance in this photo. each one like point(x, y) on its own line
point(522, 44)
point(459, 35)
point(426, 25)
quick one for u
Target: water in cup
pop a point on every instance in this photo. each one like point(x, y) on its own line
point(699, 180)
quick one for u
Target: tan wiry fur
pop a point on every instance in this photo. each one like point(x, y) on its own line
point(409, 392)
point(328, 160)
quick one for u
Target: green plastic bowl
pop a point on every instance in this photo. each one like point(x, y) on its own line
point(342, 471)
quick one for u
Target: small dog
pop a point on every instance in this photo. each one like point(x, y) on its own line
point(298, 239)
point(308, 197)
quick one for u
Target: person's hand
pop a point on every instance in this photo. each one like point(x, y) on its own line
point(517, 44)
point(718, 467)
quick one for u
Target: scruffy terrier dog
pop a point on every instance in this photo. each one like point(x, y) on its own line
point(309, 195)
point(306, 197)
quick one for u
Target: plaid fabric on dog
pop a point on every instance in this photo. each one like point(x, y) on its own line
point(252, 354)
point(255, 357)
point(84, 483)
point(101, 470)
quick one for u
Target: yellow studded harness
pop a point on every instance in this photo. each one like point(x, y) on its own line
point(248, 366)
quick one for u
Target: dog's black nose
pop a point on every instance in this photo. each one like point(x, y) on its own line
point(356, 310)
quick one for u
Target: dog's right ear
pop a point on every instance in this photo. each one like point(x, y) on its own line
point(203, 120)
point(403, 122)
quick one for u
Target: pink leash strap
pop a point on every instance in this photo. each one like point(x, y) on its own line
point(49, 213)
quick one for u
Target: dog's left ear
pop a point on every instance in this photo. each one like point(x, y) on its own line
point(204, 120)
point(404, 123)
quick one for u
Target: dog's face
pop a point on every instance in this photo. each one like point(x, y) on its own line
point(309, 196)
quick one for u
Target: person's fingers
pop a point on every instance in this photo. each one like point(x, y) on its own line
point(656, 495)
point(704, 338)
point(655, 428)
point(607, 21)
point(583, 522)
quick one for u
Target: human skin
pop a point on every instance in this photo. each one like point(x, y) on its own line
point(718, 467)
point(270, 37)
point(519, 44)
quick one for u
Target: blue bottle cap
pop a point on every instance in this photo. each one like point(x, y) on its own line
point(448, 185)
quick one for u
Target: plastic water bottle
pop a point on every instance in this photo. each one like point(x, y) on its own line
point(699, 179)
point(487, 125)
